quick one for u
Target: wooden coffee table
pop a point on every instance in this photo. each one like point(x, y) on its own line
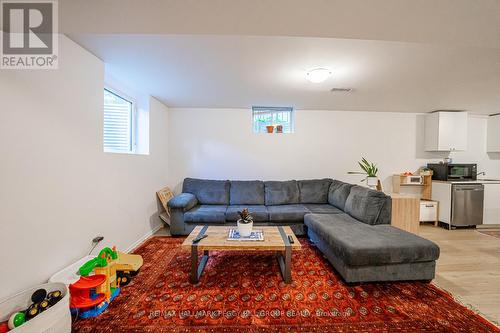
point(275, 239)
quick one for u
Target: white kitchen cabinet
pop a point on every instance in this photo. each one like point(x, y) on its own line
point(441, 192)
point(491, 214)
point(494, 134)
point(446, 131)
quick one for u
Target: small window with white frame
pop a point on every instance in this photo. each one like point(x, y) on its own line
point(273, 119)
point(119, 117)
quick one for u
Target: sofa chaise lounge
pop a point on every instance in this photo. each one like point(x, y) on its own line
point(350, 224)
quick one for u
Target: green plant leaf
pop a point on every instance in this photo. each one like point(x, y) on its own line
point(369, 169)
point(363, 167)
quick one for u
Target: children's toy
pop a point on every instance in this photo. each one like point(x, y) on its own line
point(91, 294)
point(4, 327)
point(41, 302)
point(86, 301)
point(127, 266)
point(32, 311)
point(54, 297)
point(39, 295)
point(17, 319)
point(43, 305)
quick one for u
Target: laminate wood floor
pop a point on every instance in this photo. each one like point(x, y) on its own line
point(468, 267)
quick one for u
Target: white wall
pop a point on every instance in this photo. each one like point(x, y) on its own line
point(219, 143)
point(57, 188)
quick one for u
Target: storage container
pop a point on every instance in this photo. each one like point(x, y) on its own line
point(56, 319)
point(428, 211)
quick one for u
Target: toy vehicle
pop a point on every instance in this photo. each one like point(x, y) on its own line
point(127, 266)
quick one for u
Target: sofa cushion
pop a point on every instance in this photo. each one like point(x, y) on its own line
point(281, 193)
point(246, 192)
point(314, 191)
point(208, 192)
point(287, 213)
point(338, 193)
point(360, 244)
point(323, 209)
point(368, 206)
point(206, 214)
point(258, 212)
point(184, 201)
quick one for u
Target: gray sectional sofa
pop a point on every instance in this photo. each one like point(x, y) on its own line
point(350, 224)
point(217, 202)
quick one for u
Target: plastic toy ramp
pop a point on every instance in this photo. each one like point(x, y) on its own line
point(82, 302)
point(80, 291)
point(88, 282)
point(90, 265)
point(128, 262)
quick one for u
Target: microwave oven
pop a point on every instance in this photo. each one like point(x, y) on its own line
point(445, 171)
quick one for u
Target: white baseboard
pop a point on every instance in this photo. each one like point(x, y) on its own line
point(143, 238)
point(488, 226)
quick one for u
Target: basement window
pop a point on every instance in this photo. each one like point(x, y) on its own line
point(118, 134)
point(280, 118)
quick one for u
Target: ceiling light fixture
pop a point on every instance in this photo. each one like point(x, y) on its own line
point(318, 75)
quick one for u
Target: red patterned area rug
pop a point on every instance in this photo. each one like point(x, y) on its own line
point(245, 293)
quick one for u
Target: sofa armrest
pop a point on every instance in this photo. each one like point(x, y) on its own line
point(184, 201)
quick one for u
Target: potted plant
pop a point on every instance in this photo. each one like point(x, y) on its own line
point(370, 170)
point(270, 128)
point(279, 128)
point(245, 223)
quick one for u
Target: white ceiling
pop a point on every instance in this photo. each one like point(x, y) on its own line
point(237, 71)
point(460, 22)
point(397, 55)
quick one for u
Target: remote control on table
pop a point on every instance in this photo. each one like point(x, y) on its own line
point(198, 238)
point(290, 239)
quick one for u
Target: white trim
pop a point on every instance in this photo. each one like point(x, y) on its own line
point(143, 238)
point(120, 93)
point(124, 152)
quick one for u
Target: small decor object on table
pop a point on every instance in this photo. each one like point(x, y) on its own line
point(370, 170)
point(255, 235)
point(245, 223)
point(270, 129)
point(424, 171)
point(279, 129)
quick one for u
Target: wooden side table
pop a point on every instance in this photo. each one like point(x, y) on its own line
point(406, 212)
